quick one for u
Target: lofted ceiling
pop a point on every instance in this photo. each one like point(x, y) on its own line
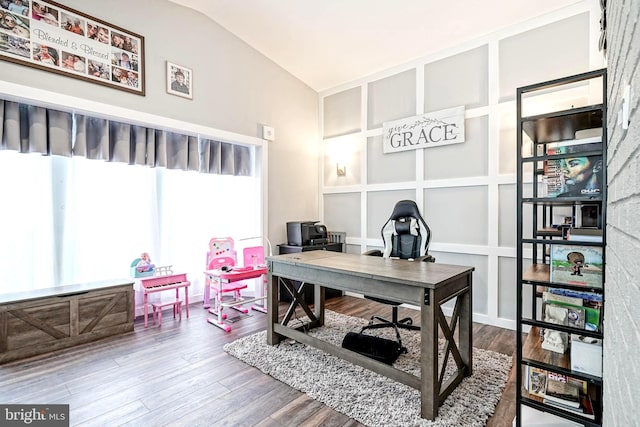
point(326, 43)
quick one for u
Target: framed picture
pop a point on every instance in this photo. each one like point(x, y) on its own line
point(179, 80)
point(55, 38)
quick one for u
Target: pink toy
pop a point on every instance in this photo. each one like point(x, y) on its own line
point(223, 277)
point(221, 256)
point(157, 310)
point(218, 248)
point(167, 282)
point(254, 258)
point(144, 264)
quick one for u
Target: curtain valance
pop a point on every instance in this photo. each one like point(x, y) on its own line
point(33, 129)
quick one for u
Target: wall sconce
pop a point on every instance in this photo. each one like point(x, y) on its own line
point(341, 169)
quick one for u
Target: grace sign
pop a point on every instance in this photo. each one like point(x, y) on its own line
point(427, 130)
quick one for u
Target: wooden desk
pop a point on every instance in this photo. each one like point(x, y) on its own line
point(164, 283)
point(425, 284)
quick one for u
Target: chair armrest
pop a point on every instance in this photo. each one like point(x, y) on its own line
point(426, 258)
point(373, 252)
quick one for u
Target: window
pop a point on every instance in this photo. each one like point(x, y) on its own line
point(67, 220)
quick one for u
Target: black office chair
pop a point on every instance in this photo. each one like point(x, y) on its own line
point(406, 236)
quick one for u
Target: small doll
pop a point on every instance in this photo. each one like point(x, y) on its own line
point(145, 263)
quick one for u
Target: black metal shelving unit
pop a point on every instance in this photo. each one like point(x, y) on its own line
point(537, 134)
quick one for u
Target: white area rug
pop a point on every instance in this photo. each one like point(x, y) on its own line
point(365, 396)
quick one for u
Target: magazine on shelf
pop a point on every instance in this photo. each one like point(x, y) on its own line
point(580, 384)
point(576, 265)
point(573, 176)
point(578, 176)
point(537, 381)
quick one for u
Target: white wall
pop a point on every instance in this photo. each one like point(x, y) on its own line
point(622, 312)
point(466, 191)
point(236, 89)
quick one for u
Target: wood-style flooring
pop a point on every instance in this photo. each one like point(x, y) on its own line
point(179, 375)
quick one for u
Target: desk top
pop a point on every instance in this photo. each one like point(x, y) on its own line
point(417, 273)
point(238, 273)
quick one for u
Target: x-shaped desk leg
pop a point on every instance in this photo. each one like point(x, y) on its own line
point(298, 299)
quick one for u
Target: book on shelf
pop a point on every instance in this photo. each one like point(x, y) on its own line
point(567, 299)
point(553, 182)
point(589, 299)
point(578, 175)
point(579, 317)
point(585, 409)
point(537, 381)
point(555, 313)
point(563, 392)
point(569, 318)
point(575, 146)
point(576, 317)
point(576, 265)
point(585, 234)
point(581, 385)
point(553, 340)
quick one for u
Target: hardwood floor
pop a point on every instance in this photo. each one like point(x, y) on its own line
point(179, 375)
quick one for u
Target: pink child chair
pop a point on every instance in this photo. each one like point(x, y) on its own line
point(221, 254)
point(254, 256)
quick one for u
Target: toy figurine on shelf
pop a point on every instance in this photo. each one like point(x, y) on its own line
point(144, 264)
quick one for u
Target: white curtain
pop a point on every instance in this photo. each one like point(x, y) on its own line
point(27, 243)
point(122, 189)
point(108, 216)
point(68, 220)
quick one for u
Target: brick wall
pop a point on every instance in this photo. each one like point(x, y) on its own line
point(622, 307)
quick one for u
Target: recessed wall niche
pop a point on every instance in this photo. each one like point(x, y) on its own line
point(335, 206)
point(462, 160)
point(389, 167)
point(461, 79)
point(562, 46)
point(480, 276)
point(391, 98)
point(459, 214)
point(345, 151)
point(342, 113)
point(506, 288)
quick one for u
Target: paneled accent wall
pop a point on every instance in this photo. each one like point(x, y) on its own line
point(466, 191)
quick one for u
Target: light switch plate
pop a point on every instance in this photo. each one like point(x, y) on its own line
point(268, 133)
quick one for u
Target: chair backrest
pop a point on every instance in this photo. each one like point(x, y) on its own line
point(405, 234)
point(219, 262)
point(253, 255)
